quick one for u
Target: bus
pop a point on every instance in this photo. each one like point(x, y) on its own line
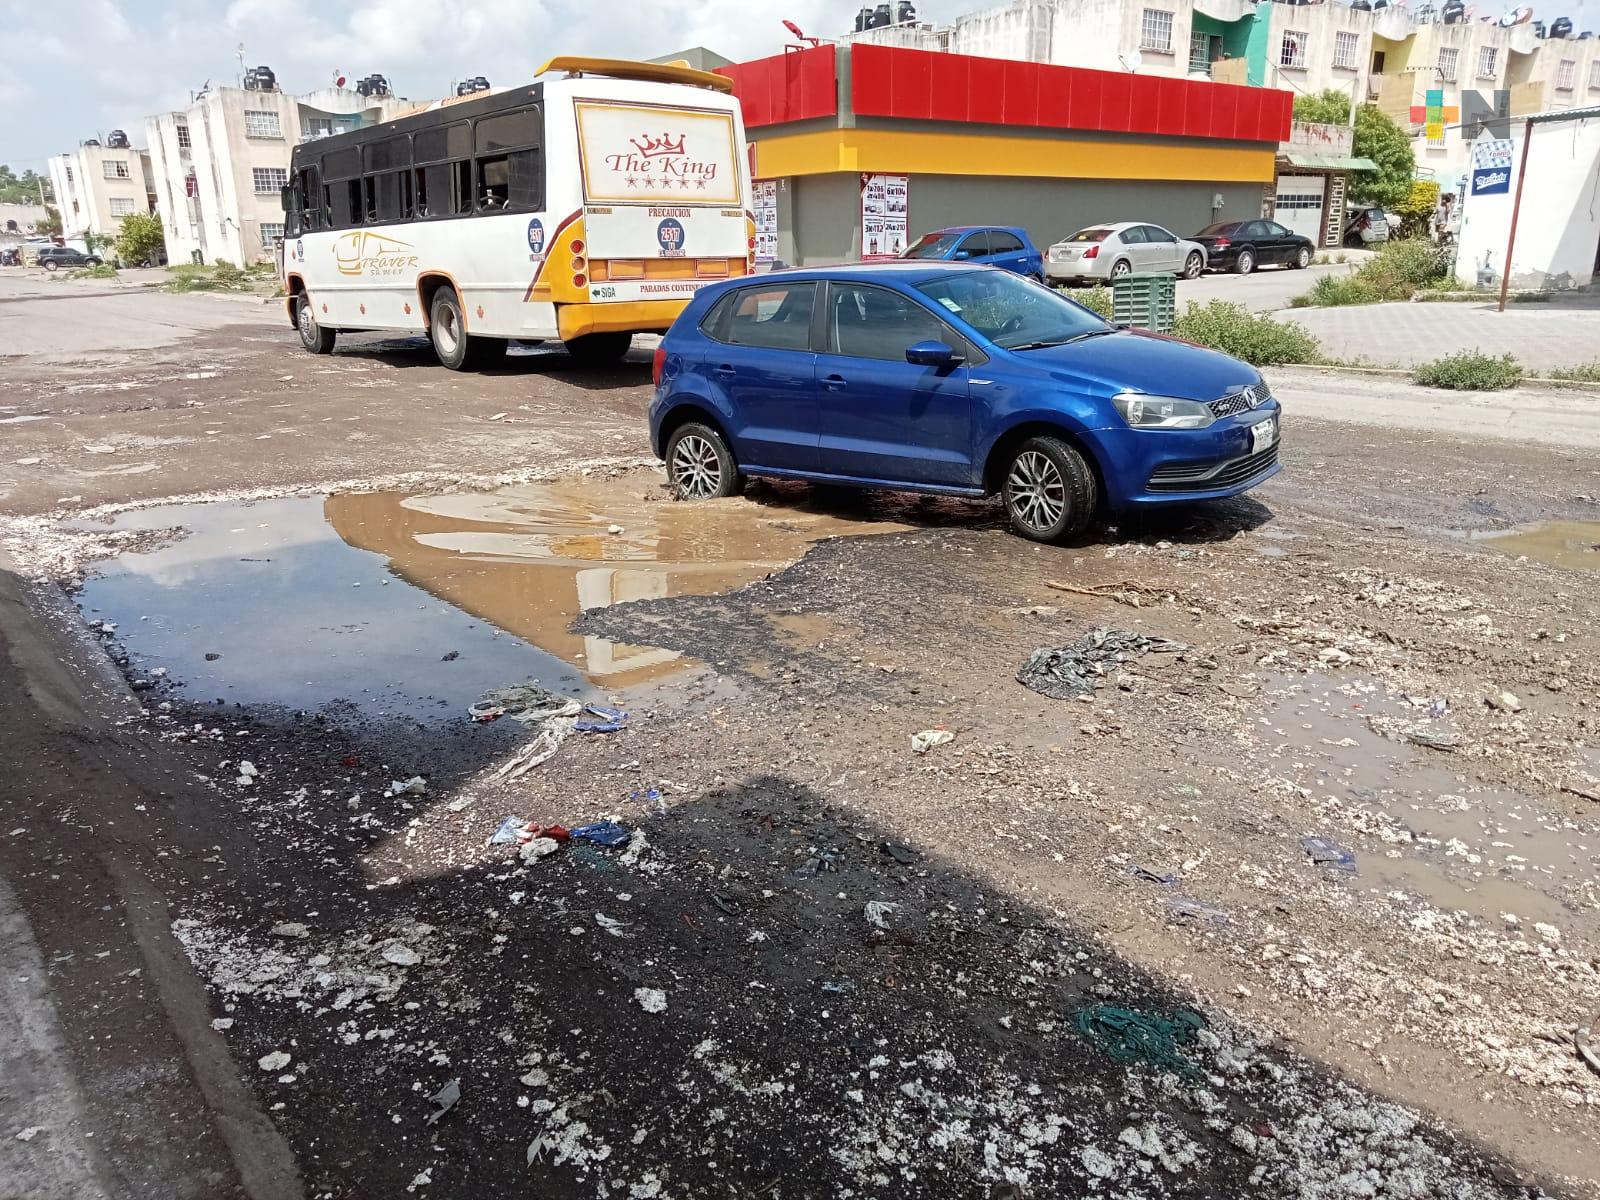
point(585, 208)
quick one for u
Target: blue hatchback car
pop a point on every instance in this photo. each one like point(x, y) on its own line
point(1006, 246)
point(949, 378)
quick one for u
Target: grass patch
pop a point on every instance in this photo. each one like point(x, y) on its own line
point(1398, 271)
point(220, 276)
point(1470, 371)
point(102, 271)
point(1587, 373)
point(1258, 339)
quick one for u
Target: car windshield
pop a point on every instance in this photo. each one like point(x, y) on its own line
point(931, 245)
point(1012, 312)
point(1214, 230)
point(1089, 235)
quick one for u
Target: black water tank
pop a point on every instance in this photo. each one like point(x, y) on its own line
point(260, 79)
point(881, 16)
point(1454, 12)
point(90, 142)
point(905, 11)
point(476, 84)
point(373, 85)
point(863, 19)
point(1538, 28)
point(117, 140)
point(1561, 27)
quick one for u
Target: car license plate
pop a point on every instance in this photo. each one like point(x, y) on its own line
point(1263, 435)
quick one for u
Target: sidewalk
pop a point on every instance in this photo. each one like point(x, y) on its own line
point(1540, 336)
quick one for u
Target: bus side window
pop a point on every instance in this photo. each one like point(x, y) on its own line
point(444, 170)
point(510, 160)
point(463, 186)
point(418, 205)
point(341, 169)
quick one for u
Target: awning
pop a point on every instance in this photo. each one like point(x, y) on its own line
point(1318, 162)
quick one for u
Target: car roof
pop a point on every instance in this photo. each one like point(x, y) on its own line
point(973, 229)
point(906, 270)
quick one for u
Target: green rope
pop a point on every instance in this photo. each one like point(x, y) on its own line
point(1127, 1035)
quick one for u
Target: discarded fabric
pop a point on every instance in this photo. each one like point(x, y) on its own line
point(922, 742)
point(1067, 672)
point(1128, 1035)
point(1328, 854)
point(446, 1098)
point(602, 833)
point(609, 720)
point(1149, 876)
point(1188, 909)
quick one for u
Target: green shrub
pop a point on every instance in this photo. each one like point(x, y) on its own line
point(1587, 373)
point(1257, 339)
point(101, 271)
point(1095, 299)
point(224, 272)
point(1470, 371)
point(1331, 291)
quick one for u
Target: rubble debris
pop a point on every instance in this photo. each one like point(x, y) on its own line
point(611, 925)
point(451, 656)
point(901, 853)
point(415, 786)
point(290, 929)
point(276, 1061)
point(602, 833)
point(537, 848)
point(824, 862)
point(28, 1134)
point(1129, 1035)
point(446, 1098)
point(526, 703)
point(1067, 672)
point(1588, 1040)
point(1186, 908)
point(1329, 855)
point(1418, 733)
point(922, 742)
point(652, 1000)
point(1506, 702)
point(401, 955)
point(1149, 876)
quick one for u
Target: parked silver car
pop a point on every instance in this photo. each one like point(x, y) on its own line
point(1102, 253)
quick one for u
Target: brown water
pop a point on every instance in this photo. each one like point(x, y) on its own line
point(1574, 544)
point(420, 604)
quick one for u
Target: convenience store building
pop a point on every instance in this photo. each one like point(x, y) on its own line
point(858, 150)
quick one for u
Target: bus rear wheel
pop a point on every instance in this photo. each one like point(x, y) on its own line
point(596, 349)
point(448, 329)
point(312, 335)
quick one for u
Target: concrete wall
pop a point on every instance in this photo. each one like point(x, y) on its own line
point(1558, 230)
point(170, 162)
point(826, 220)
point(85, 195)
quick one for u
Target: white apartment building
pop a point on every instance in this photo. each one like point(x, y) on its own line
point(96, 186)
point(1392, 57)
point(220, 165)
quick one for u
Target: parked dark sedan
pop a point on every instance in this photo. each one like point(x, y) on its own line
point(53, 258)
point(1242, 246)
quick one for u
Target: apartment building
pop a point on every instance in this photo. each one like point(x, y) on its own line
point(220, 164)
point(96, 186)
point(1426, 74)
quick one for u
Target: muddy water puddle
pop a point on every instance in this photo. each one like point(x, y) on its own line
point(1423, 828)
point(1574, 544)
point(418, 605)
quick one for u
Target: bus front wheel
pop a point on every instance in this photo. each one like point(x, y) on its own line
point(599, 348)
point(312, 335)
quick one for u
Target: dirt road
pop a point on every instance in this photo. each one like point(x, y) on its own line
point(815, 963)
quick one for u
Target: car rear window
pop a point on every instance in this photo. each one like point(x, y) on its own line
point(1213, 230)
point(931, 245)
point(1089, 235)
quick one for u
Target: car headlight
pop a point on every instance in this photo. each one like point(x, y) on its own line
point(1162, 412)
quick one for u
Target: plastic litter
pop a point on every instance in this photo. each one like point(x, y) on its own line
point(1185, 908)
point(609, 720)
point(525, 703)
point(512, 829)
point(1329, 855)
point(902, 854)
point(415, 786)
point(834, 988)
point(1067, 672)
point(611, 925)
point(878, 913)
point(1128, 1035)
point(823, 863)
point(602, 833)
point(446, 1098)
point(652, 1000)
point(922, 742)
point(1149, 876)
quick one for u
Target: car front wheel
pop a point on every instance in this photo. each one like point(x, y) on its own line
point(1302, 259)
point(699, 464)
point(1193, 265)
point(1049, 491)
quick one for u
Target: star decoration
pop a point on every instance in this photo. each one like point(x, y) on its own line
point(683, 184)
point(633, 181)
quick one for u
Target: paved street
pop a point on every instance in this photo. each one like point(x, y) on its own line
point(265, 941)
point(1539, 335)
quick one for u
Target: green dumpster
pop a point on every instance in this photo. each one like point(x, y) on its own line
point(1145, 301)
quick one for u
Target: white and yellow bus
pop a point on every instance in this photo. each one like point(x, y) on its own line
point(587, 207)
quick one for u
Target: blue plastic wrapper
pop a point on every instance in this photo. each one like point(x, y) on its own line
point(609, 719)
point(1329, 855)
point(603, 833)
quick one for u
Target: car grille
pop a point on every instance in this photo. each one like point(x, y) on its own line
point(1208, 476)
point(1243, 400)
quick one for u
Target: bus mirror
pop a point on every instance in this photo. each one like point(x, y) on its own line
point(287, 195)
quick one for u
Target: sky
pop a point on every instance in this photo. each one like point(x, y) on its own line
point(72, 69)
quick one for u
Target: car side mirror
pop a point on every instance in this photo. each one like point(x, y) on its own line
point(960, 254)
point(932, 354)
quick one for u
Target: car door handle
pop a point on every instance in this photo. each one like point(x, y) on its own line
point(724, 369)
point(833, 382)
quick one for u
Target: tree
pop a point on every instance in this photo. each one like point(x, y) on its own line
point(140, 239)
point(1376, 137)
point(24, 188)
point(51, 225)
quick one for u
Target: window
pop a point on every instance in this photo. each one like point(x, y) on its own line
point(183, 136)
point(1594, 76)
point(121, 206)
point(1566, 74)
point(1290, 201)
point(444, 170)
point(510, 161)
point(1155, 234)
point(1292, 51)
point(1486, 61)
point(778, 318)
point(1009, 311)
point(873, 322)
point(271, 234)
point(1155, 30)
point(1001, 242)
point(115, 168)
point(1344, 50)
point(307, 211)
point(268, 179)
point(69, 174)
point(1449, 56)
point(976, 245)
point(316, 127)
point(1133, 235)
point(261, 123)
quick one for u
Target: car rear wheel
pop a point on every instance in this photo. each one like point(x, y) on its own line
point(597, 349)
point(1302, 259)
point(1121, 269)
point(1049, 490)
point(312, 335)
point(1245, 263)
point(699, 464)
point(1193, 265)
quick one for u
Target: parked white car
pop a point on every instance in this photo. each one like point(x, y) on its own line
point(1101, 253)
